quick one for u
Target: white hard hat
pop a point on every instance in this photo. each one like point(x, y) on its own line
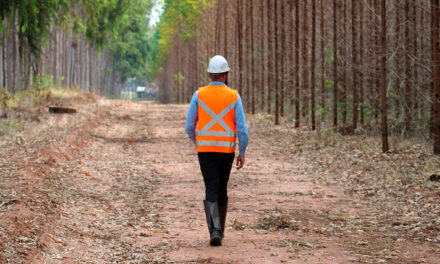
point(218, 64)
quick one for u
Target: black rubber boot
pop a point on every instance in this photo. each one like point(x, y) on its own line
point(222, 210)
point(213, 221)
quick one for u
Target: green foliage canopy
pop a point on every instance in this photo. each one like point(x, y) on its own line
point(33, 17)
point(179, 20)
point(130, 45)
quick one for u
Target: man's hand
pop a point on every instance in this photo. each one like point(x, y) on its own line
point(240, 162)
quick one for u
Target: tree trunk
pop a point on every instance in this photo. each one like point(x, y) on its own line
point(361, 62)
point(247, 42)
point(283, 58)
point(312, 75)
point(344, 64)
point(408, 90)
point(225, 28)
point(415, 55)
point(269, 58)
point(297, 84)
point(291, 51)
point(435, 9)
point(277, 66)
point(2, 62)
point(377, 7)
point(383, 93)
point(5, 67)
point(323, 57)
point(178, 72)
point(9, 64)
point(335, 66)
point(397, 81)
point(253, 87)
point(370, 56)
point(67, 60)
point(355, 63)
point(217, 28)
point(15, 57)
point(263, 54)
point(306, 71)
point(240, 46)
point(423, 58)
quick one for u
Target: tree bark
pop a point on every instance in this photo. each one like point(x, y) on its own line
point(253, 84)
point(344, 63)
point(355, 63)
point(408, 90)
point(269, 60)
point(377, 106)
point(335, 66)
point(397, 81)
point(217, 28)
point(4, 67)
point(15, 57)
point(277, 66)
point(291, 51)
point(415, 55)
point(383, 97)
point(247, 43)
point(297, 84)
point(283, 59)
point(323, 58)
point(361, 62)
point(178, 72)
point(263, 54)
point(240, 46)
point(2, 62)
point(312, 75)
point(306, 71)
point(435, 9)
point(225, 28)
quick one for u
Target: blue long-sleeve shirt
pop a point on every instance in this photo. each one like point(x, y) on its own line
point(240, 121)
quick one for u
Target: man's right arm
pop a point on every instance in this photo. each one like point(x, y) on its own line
point(191, 118)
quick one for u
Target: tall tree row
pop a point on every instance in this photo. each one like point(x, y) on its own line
point(93, 45)
point(353, 64)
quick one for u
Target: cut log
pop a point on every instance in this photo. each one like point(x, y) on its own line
point(434, 177)
point(61, 110)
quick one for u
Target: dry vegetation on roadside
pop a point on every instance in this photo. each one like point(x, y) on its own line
point(396, 184)
point(32, 142)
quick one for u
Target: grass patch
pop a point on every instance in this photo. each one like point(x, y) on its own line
point(11, 125)
point(43, 89)
point(63, 92)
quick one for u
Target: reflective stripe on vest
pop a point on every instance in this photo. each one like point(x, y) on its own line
point(216, 144)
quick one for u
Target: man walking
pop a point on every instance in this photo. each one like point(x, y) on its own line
point(215, 118)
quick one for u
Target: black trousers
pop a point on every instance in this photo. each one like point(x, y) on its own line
point(216, 168)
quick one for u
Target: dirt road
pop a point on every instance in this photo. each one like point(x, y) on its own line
point(126, 188)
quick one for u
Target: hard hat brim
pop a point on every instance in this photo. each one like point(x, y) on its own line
point(208, 71)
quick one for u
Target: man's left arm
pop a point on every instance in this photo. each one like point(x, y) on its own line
point(242, 130)
point(191, 118)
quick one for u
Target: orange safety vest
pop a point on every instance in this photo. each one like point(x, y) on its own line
point(216, 131)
